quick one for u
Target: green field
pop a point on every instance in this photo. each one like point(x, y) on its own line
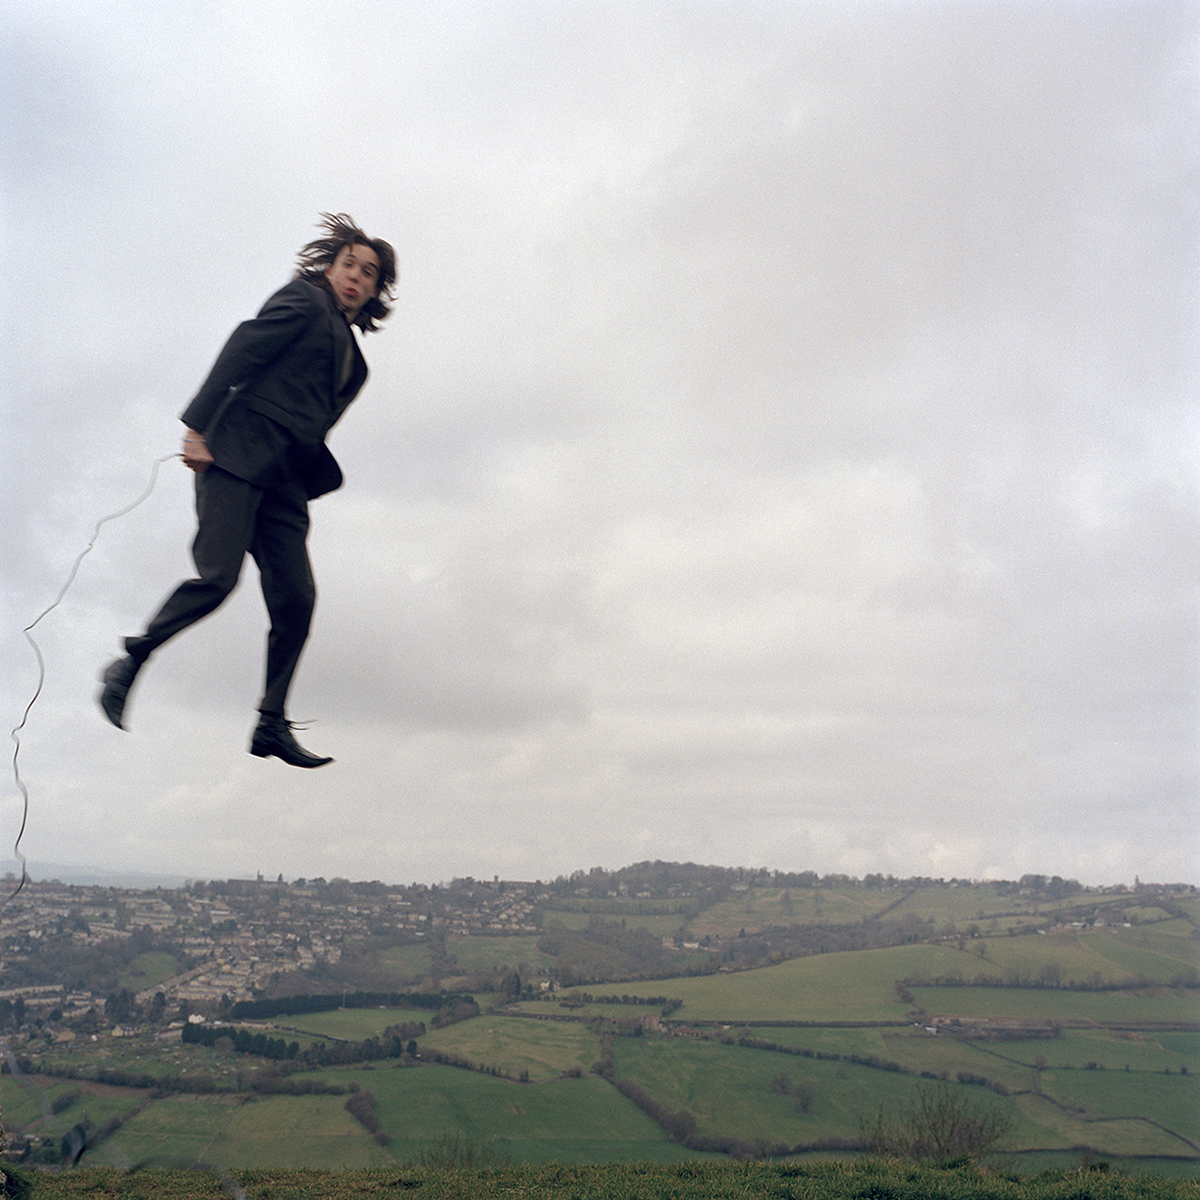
point(1161, 951)
point(1069, 956)
point(148, 970)
point(579, 1120)
point(947, 1056)
point(354, 1024)
point(981, 903)
point(28, 1102)
point(1173, 1101)
point(729, 1090)
point(498, 953)
point(756, 908)
point(572, 1120)
point(659, 924)
point(257, 1131)
point(1110, 1050)
point(408, 963)
point(1136, 1008)
point(1013, 1062)
point(543, 1050)
point(822, 989)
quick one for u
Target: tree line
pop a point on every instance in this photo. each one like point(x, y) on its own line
point(397, 1041)
point(263, 1010)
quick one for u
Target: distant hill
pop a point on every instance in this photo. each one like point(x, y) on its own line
point(86, 876)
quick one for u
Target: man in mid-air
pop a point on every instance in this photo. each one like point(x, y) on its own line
point(255, 437)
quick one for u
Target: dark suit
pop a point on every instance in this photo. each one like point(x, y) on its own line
point(278, 386)
point(276, 390)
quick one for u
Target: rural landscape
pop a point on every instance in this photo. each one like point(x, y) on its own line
point(663, 1013)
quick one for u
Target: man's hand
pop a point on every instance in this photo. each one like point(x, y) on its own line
point(195, 453)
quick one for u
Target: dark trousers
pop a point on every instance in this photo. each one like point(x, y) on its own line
point(236, 518)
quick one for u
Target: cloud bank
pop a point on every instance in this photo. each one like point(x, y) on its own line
point(782, 451)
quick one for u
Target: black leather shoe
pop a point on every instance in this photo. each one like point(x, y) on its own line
point(117, 678)
point(274, 737)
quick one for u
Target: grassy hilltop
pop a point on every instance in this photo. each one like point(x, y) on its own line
point(640, 1181)
point(788, 1017)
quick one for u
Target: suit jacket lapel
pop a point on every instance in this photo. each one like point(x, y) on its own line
point(344, 342)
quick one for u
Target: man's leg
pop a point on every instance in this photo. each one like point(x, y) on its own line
point(281, 552)
point(226, 509)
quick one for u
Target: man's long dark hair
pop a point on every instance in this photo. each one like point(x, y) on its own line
point(317, 255)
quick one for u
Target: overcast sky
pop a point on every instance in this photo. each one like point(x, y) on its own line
point(782, 452)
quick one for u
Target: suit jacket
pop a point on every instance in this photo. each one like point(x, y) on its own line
point(276, 390)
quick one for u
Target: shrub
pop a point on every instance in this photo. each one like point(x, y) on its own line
point(15, 1184)
point(361, 1106)
point(940, 1124)
point(452, 1152)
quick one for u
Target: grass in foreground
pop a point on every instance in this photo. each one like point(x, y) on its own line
point(637, 1181)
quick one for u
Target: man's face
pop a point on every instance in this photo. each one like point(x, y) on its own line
point(354, 278)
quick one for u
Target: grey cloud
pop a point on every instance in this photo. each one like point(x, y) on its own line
point(781, 451)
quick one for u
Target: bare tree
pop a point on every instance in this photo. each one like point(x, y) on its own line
point(939, 1124)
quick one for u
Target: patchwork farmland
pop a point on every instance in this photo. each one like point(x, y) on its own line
point(775, 1017)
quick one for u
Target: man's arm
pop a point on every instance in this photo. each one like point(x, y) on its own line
point(253, 345)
